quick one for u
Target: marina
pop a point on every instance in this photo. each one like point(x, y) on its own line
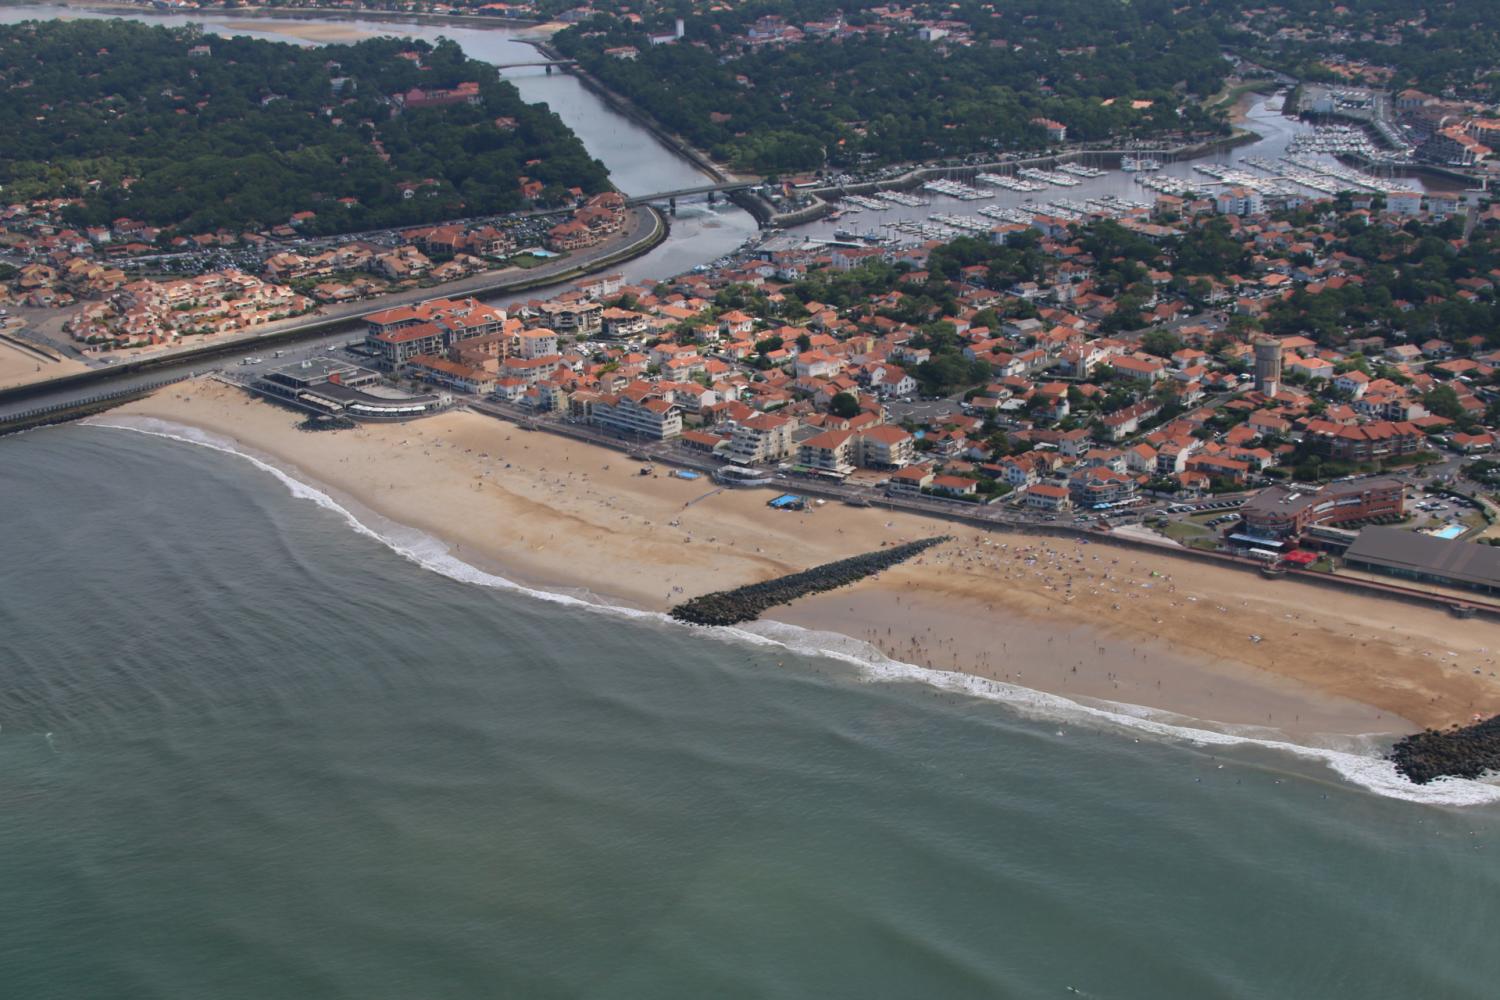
point(1139, 164)
point(1010, 183)
point(1292, 161)
point(903, 199)
point(1048, 177)
point(954, 189)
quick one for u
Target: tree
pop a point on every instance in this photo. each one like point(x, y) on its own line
point(1444, 402)
point(1162, 343)
point(844, 405)
point(122, 118)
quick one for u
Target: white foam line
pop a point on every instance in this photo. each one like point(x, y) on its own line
point(1372, 773)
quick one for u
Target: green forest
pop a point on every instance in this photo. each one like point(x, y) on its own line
point(1450, 47)
point(878, 93)
point(883, 97)
point(195, 133)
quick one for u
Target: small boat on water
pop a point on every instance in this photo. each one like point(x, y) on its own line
point(1134, 164)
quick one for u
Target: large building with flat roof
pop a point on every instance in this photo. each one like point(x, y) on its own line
point(1283, 513)
point(324, 385)
point(1414, 556)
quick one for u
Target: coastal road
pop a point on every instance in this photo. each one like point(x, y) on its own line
point(993, 515)
point(332, 327)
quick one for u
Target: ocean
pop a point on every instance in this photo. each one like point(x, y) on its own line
point(252, 748)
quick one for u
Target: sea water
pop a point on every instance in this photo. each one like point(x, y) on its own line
point(252, 745)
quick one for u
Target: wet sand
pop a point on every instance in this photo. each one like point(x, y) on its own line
point(308, 31)
point(907, 623)
point(1060, 615)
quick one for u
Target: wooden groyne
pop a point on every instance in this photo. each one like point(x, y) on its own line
point(1466, 752)
point(743, 604)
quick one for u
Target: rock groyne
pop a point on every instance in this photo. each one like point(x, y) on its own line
point(1466, 752)
point(743, 604)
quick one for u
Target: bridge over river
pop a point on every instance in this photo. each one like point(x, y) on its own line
point(549, 63)
point(712, 190)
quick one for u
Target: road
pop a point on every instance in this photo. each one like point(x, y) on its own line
point(996, 515)
point(331, 327)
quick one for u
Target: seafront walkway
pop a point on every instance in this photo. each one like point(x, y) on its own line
point(987, 517)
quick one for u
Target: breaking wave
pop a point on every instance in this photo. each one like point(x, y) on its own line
point(1368, 770)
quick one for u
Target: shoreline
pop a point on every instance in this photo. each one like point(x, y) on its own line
point(1134, 628)
point(293, 13)
point(622, 105)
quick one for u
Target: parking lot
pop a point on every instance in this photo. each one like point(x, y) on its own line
point(923, 411)
point(1433, 512)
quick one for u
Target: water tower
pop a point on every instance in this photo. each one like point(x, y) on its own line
point(1267, 366)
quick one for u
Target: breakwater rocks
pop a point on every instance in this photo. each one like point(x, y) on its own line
point(1467, 752)
point(743, 604)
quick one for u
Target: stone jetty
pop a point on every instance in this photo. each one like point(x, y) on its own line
point(1466, 752)
point(743, 604)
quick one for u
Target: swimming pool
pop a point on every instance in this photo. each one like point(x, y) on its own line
point(1451, 532)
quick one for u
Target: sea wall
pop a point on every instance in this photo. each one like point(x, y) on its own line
point(79, 408)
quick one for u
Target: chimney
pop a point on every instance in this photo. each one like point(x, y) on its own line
point(681, 28)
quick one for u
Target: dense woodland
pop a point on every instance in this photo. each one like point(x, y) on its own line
point(892, 97)
point(1449, 48)
point(245, 133)
point(875, 98)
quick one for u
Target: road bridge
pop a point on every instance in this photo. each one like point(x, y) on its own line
point(549, 63)
point(670, 197)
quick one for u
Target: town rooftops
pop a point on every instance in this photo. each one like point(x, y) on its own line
point(828, 439)
point(407, 333)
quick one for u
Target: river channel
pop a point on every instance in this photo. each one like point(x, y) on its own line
point(638, 162)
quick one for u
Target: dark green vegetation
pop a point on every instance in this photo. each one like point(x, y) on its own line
point(744, 604)
point(1432, 46)
point(1417, 282)
point(245, 133)
point(887, 95)
point(1469, 752)
point(872, 90)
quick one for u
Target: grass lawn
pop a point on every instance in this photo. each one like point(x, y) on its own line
point(1188, 533)
point(526, 260)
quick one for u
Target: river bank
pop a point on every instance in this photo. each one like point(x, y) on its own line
point(624, 106)
point(1056, 615)
point(294, 13)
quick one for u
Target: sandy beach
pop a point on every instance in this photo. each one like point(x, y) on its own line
point(18, 367)
point(1086, 620)
point(307, 30)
